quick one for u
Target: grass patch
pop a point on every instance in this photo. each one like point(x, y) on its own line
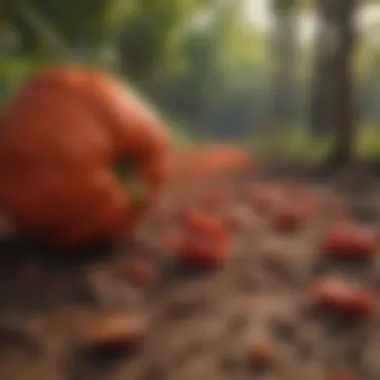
point(300, 145)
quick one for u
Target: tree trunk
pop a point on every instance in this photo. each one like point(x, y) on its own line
point(332, 104)
point(344, 94)
point(322, 88)
point(284, 57)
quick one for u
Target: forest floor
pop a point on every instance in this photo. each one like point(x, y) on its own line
point(253, 317)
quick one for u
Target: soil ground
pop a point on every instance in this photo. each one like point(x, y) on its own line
point(202, 321)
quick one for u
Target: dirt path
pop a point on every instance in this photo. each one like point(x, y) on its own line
point(201, 324)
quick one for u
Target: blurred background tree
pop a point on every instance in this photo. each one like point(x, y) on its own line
point(247, 71)
point(284, 58)
point(332, 105)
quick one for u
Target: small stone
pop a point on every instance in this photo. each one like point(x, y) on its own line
point(117, 330)
point(261, 354)
point(112, 292)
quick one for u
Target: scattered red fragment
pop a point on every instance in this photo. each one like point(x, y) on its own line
point(201, 222)
point(343, 298)
point(346, 241)
point(343, 375)
point(210, 253)
point(117, 330)
point(205, 241)
point(292, 217)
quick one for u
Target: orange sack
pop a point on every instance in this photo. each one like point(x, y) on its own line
point(60, 141)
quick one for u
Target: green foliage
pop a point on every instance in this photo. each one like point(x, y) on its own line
point(214, 79)
point(76, 22)
point(294, 143)
point(13, 73)
point(298, 144)
point(284, 5)
point(147, 39)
